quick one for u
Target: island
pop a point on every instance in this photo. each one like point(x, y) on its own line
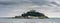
point(32, 14)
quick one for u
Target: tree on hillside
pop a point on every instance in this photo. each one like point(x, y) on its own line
point(34, 13)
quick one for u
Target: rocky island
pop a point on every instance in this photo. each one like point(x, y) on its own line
point(31, 15)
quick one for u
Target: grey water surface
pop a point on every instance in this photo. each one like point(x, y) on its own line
point(10, 20)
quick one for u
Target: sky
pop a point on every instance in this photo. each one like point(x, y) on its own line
point(11, 8)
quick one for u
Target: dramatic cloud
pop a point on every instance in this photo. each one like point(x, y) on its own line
point(16, 7)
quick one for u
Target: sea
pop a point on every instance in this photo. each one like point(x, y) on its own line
point(11, 20)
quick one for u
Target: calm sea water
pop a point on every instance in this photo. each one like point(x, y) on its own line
point(51, 20)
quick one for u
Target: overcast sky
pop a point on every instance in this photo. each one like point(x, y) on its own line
point(9, 8)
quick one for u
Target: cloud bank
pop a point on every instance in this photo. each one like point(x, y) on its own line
point(50, 8)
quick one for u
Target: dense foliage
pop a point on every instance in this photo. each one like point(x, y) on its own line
point(33, 13)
